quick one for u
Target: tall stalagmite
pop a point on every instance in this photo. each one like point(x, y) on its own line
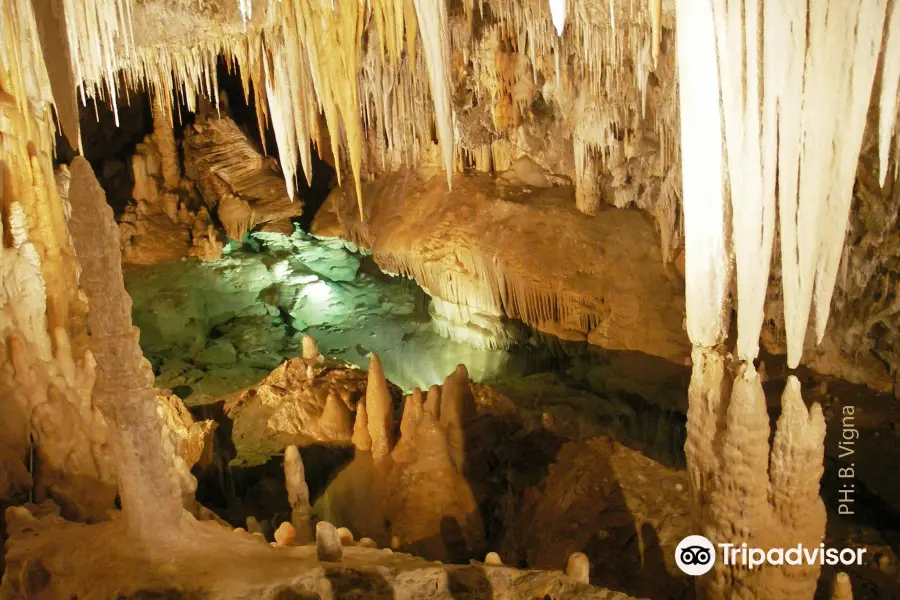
point(380, 411)
point(298, 494)
point(164, 133)
point(151, 497)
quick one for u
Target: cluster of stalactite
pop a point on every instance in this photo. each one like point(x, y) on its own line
point(814, 61)
point(389, 78)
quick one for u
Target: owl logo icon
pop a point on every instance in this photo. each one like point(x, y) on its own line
point(695, 555)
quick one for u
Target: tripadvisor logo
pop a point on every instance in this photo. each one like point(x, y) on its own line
point(696, 555)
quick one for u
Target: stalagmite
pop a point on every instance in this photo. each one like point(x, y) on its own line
point(432, 17)
point(413, 408)
point(298, 494)
point(841, 588)
point(579, 567)
point(361, 438)
point(151, 499)
point(346, 536)
point(328, 543)
point(432, 451)
point(310, 352)
point(457, 408)
point(412, 413)
point(380, 411)
point(285, 534)
point(164, 134)
point(336, 419)
point(890, 89)
point(433, 401)
point(587, 179)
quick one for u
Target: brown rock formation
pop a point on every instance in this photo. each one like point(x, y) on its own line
point(287, 407)
point(238, 182)
point(166, 222)
point(46, 370)
point(185, 442)
point(575, 284)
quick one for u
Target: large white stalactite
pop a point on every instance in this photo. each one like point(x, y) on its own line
point(701, 173)
point(436, 42)
point(776, 75)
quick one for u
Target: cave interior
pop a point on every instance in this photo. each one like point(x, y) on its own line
point(444, 299)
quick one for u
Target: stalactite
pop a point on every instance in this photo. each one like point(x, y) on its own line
point(558, 12)
point(432, 18)
point(99, 32)
point(701, 172)
point(751, 151)
point(50, 18)
point(835, 78)
point(861, 58)
point(656, 24)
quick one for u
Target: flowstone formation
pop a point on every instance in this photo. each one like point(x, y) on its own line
point(574, 285)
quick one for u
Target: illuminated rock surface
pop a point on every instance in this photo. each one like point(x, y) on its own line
point(223, 325)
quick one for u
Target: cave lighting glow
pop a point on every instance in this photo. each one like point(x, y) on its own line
point(317, 292)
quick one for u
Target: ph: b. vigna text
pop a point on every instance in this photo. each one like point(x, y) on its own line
point(846, 466)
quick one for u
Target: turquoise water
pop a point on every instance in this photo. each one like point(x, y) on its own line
point(211, 328)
